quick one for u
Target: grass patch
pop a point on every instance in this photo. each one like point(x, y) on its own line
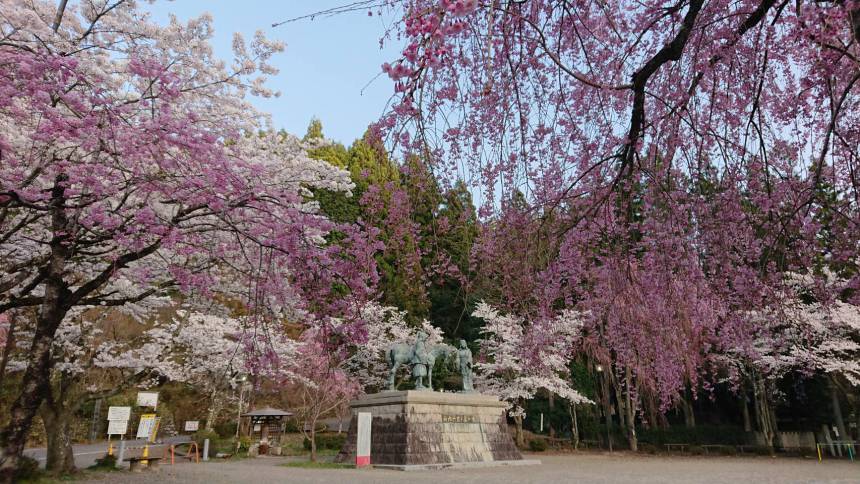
point(306, 464)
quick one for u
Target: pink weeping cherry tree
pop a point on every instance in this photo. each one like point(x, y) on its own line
point(669, 162)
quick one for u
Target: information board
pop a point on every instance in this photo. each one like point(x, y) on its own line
point(146, 426)
point(117, 427)
point(119, 413)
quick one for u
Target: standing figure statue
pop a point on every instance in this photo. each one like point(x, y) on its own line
point(464, 358)
point(421, 361)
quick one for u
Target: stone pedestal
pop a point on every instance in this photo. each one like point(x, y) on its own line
point(421, 429)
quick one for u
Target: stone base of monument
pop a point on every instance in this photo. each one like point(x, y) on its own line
point(414, 430)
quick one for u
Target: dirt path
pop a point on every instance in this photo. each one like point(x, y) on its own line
point(580, 468)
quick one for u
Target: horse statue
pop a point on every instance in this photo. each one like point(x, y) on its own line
point(422, 365)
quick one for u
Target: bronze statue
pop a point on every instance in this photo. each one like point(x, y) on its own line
point(464, 360)
point(419, 356)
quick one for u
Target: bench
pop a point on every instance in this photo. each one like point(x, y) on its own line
point(680, 447)
point(135, 463)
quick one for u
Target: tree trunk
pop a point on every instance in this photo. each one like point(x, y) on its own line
point(574, 426)
point(36, 385)
point(837, 412)
point(551, 402)
point(214, 410)
point(58, 426)
point(9, 346)
point(631, 412)
point(518, 431)
point(745, 409)
point(764, 413)
point(55, 303)
point(313, 442)
point(607, 408)
point(687, 409)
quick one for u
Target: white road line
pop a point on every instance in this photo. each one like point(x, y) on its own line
point(77, 454)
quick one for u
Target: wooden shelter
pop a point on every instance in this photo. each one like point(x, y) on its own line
point(264, 424)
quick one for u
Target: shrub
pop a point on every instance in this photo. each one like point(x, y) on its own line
point(537, 445)
point(648, 448)
point(226, 430)
point(106, 462)
point(327, 441)
point(696, 450)
point(731, 451)
point(292, 426)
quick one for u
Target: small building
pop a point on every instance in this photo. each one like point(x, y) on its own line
point(264, 425)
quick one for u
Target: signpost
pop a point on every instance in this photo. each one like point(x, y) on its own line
point(117, 423)
point(117, 427)
point(192, 425)
point(362, 451)
point(147, 399)
point(119, 413)
point(147, 425)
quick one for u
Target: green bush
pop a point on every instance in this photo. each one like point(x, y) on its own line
point(538, 445)
point(327, 441)
point(226, 430)
point(292, 426)
point(648, 448)
point(697, 450)
point(106, 462)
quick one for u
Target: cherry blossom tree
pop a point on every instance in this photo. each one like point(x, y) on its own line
point(518, 358)
point(128, 152)
point(659, 153)
point(93, 356)
point(321, 384)
point(381, 327)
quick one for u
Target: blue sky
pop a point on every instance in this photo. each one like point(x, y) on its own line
point(326, 64)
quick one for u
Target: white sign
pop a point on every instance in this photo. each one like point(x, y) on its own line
point(192, 425)
point(117, 427)
point(119, 413)
point(147, 399)
point(146, 426)
point(362, 453)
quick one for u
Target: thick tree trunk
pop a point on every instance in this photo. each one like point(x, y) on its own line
point(519, 438)
point(58, 426)
point(687, 409)
point(36, 385)
point(764, 413)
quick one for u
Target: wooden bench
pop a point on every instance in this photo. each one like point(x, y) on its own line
point(135, 463)
point(680, 447)
point(715, 447)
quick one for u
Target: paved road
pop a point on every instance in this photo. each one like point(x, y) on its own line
point(86, 454)
point(580, 468)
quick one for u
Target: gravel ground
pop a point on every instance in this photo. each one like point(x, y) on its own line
point(579, 468)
